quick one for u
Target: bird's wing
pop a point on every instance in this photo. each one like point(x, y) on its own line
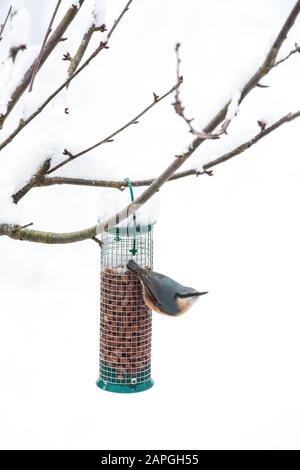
point(166, 281)
point(162, 290)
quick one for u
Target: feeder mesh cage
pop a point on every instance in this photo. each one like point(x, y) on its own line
point(125, 320)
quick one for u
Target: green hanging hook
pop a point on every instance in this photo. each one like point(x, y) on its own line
point(133, 249)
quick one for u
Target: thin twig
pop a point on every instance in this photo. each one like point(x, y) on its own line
point(14, 51)
point(5, 21)
point(110, 137)
point(25, 122)
point(37, 63)
point(178, 106)
point(26, 226)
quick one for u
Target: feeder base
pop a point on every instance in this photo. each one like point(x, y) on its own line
point(121, 388)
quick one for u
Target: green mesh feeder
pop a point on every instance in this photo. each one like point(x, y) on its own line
point(125, 320)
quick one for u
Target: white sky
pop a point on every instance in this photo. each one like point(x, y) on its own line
point(226, 373)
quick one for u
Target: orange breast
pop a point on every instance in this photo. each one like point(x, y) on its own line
point(185, 303)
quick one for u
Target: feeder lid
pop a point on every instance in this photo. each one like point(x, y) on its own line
point(131, 229)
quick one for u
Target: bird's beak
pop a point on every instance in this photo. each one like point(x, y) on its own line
point(202, 293)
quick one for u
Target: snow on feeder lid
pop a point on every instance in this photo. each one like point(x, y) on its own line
point(125, 320)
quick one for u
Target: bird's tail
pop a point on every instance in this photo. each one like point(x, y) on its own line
point(135, 268)
point(201, 293)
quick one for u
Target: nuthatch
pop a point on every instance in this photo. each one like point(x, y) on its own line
point(162, 294)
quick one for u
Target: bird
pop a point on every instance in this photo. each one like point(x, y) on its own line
point(162, 294)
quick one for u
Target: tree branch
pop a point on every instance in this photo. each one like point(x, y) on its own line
point(50, 181)
point(75, 61)
point(34, 181)
point(121, 185)
point(293, 51)
point(70, 237)
point(5, 21)
point(178, 106)
point(102, 45)
point(49, 47)
point(110, 137)
point(263, 70)
point(246, 145)
point(19, 233)
point(99, 242)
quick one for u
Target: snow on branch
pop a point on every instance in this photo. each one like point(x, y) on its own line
point(39, 58)
point(19, 233)
point(293, 51)
point(110, 137)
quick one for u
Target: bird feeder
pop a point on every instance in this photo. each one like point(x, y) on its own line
point(125, 320)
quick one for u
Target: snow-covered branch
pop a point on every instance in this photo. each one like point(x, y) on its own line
point(37, 63)
point(34, 181)
point(180, 109)
point(50, 45)
point(75, 61)
point(102, 46)
point(21, 233)
point(59, 180)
